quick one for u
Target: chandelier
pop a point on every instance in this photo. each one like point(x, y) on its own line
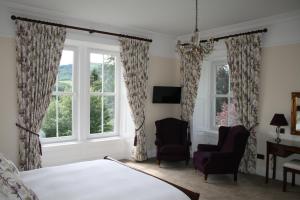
point(194, 45)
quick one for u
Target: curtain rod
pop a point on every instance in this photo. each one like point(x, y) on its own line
point(13, 17)
point(238, 34)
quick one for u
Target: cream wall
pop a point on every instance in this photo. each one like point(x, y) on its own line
point(162, 71)
point(8, 108)
point(279, 77)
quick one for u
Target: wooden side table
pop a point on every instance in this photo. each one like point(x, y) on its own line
point(282, 149)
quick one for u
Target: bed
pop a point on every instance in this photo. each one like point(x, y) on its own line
point(105, 179)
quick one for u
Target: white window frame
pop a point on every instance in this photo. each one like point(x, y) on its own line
point(214, 94)
point(116, 93)
point(81, 92)
point(74, 96)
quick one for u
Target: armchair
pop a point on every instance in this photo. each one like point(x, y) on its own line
point(172, 140)
point(225, 157)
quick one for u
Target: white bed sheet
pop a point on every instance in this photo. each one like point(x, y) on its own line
point(97, 180)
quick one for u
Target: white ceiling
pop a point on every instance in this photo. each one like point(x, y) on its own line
point(172, 17)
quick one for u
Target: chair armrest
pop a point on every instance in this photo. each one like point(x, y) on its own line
point(207, 147)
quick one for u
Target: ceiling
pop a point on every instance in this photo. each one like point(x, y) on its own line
point(172, 17)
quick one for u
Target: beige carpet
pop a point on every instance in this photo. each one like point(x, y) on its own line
point(219, 187)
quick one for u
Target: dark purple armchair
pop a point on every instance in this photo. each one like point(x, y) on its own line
point(225, 157)
point(172, 140)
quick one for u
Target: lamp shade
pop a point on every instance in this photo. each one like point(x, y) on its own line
point(279, 120)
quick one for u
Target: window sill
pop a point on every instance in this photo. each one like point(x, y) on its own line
point(207, 131)
point(90, 140)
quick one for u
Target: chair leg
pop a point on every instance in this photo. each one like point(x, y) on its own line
point(186, 162)
point(293, 178)
point(235, 176)
point(284, 179)
point(158, 162)
point(205, 177)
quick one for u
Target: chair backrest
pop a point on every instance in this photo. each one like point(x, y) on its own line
point(171, 131)
point(236, 141)
point(223, 131)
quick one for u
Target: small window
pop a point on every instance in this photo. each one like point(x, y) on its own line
point(224, 112)
point(58, 121)
point(102, 94)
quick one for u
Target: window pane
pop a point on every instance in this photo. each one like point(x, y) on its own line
point(95, 114)
point(221, 111)
point(109, 73)
point(222, 79)
point(96, 62)
point(64, 116)
point(108, 113)
point(65, 71)
point(49, 123)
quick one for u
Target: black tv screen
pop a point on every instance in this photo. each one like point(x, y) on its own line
point(164, 94)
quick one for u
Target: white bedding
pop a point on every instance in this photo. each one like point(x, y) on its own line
point(97, 180)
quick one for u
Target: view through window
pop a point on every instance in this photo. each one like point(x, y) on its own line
point(70, 109)
point(224, 105)
point(58, 119)
point(102, 93)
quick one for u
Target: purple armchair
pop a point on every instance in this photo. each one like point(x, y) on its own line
point(172, 140)
point(225, 157)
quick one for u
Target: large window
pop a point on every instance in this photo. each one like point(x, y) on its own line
point(84, 102)
point(224, 112)
point(102, 93)
point(58, 121)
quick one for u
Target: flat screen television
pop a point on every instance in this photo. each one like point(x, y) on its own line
point(165, 94)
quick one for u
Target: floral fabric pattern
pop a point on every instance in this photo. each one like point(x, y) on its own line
point(39, 48)
point(191, 58)
point(13, 187)
point(8, 165)
point(135, 60)
point(244, 59)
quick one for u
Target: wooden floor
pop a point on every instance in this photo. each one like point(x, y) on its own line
point(219, 187)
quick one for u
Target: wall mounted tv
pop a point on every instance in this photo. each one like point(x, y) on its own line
point(165, 94)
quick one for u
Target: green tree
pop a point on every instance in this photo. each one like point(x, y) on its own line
point(49, 122)
point(64, 103)
point(65, 116)
point(222, 81)
point(95, 78)
point(96, 103)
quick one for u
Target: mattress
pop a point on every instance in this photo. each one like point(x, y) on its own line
point(98, 179)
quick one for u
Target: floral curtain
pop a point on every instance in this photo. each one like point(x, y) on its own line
point(191, 57)
point(39, 48)
point(135, 59)
point(244, 59)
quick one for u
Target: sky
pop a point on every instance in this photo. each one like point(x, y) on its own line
point(67, 57)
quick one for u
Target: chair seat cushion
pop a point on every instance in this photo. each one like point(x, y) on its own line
point(201, 158)
point(172, 149)
point(293, 164)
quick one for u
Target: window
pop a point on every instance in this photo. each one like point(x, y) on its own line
point(224, 112)
point(58, 121)
point(91, 109)
point(102, 93)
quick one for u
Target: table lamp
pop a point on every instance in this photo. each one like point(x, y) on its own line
point(278, 120)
